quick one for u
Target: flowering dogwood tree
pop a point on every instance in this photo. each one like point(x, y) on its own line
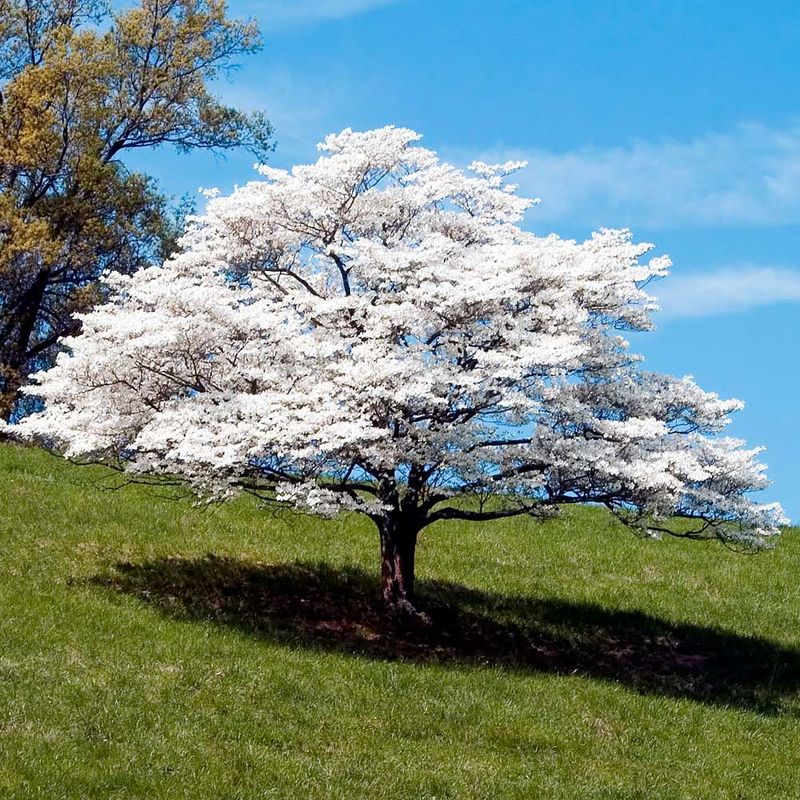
point(375, 333)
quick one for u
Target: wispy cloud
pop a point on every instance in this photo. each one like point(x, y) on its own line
point(303, 109)
point(299, 110)
point(748, 176)
point(725, 291)
point(284, 14)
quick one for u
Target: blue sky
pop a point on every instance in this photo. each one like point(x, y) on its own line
point(679, 120)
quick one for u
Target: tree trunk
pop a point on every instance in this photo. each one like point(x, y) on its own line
point(8, 393)
point(15, 349)
point(398, 546)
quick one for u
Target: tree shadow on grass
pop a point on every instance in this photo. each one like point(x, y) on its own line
point(316, 605)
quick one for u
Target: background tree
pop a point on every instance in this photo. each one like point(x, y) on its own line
point(374, 332)
point(79, 86)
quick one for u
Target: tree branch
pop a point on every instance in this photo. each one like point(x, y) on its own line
point(475, 516)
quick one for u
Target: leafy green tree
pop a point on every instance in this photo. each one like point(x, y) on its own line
point(80, 86)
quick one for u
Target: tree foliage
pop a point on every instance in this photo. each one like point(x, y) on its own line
point(79, 87)
point(375, 332)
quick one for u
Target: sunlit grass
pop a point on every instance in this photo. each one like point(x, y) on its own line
point(152, 649)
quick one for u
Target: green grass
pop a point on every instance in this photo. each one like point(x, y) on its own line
point(153, 649)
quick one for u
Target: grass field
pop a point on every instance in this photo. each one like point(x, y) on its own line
point(152, 649)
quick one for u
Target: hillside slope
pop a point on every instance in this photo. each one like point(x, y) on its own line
point(153, 649)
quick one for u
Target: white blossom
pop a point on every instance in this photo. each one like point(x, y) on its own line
point(375, 332)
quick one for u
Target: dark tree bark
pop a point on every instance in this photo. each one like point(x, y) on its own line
point(398, 528)
point(398, 548)
point(14, 350)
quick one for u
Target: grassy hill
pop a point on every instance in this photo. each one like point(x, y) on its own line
point(152, 649)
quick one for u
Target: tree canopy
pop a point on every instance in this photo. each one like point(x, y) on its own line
point(374, 332)
point(80, 86)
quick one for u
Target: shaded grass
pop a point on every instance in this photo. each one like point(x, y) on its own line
point(582, 662)
point(315, 605)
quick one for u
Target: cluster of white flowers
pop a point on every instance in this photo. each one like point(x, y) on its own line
point(375, 331)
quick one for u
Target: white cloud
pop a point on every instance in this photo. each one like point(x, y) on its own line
point(725, 291)
point(748, 176)
point(303, 109)
point(299, 110)
point(285, 14)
